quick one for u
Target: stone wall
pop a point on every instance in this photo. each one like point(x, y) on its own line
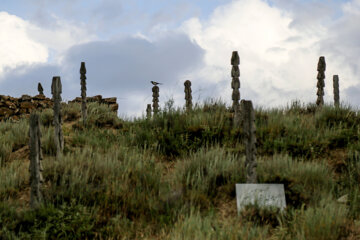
point(14, 108)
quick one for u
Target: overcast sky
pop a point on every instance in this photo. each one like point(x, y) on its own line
point(126, 44)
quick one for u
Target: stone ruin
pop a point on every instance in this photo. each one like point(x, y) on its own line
point(15, 108)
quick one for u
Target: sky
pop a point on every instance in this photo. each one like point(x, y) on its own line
point(126, 44)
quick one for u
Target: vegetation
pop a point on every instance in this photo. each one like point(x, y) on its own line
point(173, 177)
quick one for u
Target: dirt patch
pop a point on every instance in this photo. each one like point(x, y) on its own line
point(22, 153)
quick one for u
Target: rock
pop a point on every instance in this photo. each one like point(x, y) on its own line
point(6, 112)
point(343, 199)
point(39, 97)
point(110, 100)
point(114, 107)
point(25, 98)
point(27, 105)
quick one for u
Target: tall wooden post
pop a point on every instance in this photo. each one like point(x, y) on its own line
point(336, 90)
point(35, 168)
point(235, 85)
point(148, 112)
point(321, 83)
point(249, 130)
point(83, 92)
point(40, 89)
point(56, 90)
point(155, 95)
point(188, 97)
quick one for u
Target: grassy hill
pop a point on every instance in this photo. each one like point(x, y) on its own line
point(174, 177)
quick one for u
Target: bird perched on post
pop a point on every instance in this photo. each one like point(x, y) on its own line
point(155, 83)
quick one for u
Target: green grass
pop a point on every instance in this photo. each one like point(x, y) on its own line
point(174, 176)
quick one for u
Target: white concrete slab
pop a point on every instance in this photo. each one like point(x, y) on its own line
point(266, 194)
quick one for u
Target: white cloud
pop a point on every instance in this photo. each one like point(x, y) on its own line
point(22, 42)
point(16, 47)
point(278, 52)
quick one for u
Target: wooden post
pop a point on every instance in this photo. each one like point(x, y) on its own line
point(188, 97)
point(148, 112)
point(56, 90)
point(336, 90)
point(40, 89)
point(249, 130)
point(235, 85)
point(321, 83)
point(83, 92)
point(155, 95)
point(35, 168)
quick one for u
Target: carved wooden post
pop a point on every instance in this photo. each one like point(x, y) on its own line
point(235, 85)
point(148, 112)
point(188, 97)
point(36, 157)
point(155, 95)
point(40, 89)
point(83, 92)
point(321, 83)
point(336, 90)
point(249, 130)
point(56, 90)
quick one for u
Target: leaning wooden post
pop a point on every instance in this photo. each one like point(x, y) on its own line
point(188, 97)
point(336, 90)
point(35, 168)
point(249, 130)
point(155, 95)
point(148, 112)
point(40, 89)
point(321, 83)
point(235, 85)
point(56, 90)
point(83, 92)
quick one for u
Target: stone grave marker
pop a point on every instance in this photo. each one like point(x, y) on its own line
point(266, 194)
point(263, 194)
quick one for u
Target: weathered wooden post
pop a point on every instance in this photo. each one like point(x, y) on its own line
point(188, 97)
point(83, 92)
point(35, 168)
point(249, 130)
point(336, 90)
point(235, 85)
point(155, 95)
point(40, 89)
point(56, 90)
point(321, 83)
point(148, 112)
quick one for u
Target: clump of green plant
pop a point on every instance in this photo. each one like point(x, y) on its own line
point(71, 221)
point(303, 181)
point(205, 171)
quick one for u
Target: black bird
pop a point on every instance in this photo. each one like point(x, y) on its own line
point(155, 83)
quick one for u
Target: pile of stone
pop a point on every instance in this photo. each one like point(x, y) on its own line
point(14, 108)
point(111, 102)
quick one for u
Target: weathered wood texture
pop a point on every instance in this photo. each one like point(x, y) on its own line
point(235, 83)
point(336, 90)
point(56, 90)
point(249, 130)
point(40, 89)
point(83, 92)
point(155, 91)
point(321, 82)
point(35, 168)
point(188, 97)
point(148, 111)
